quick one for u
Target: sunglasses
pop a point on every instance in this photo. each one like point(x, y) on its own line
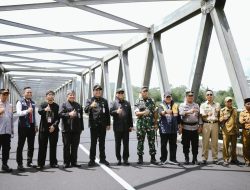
point(209, 94)
point(120, 92)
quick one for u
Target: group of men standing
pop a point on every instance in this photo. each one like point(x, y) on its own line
point(189, 119)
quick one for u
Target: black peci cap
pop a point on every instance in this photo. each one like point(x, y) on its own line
point(247, 100)
point(97, 86)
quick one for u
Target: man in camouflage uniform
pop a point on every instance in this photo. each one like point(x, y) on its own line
point(245, 121)
point(145, 112)
point(228, 118)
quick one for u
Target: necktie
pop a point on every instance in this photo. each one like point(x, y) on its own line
point(30, 114)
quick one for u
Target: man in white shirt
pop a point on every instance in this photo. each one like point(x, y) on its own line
point(27, 127)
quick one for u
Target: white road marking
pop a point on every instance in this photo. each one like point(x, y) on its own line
point(109, 171)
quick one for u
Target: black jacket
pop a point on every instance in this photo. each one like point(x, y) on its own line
point(98, 116)
point(53, 114)
point(123, 121)
point(71, 124)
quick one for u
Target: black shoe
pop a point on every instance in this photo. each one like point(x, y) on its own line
point(195, 162)
point(31, 165)
point(20, 168)
point(126, 163)
point(54, 165)
point(174, 162)
point(236, 162)
point(105, 162)
point(140, 160)
point(186, 162)
point(215, 162)
point(204, 162)
point(153, 160)
point(40, 167)
point(119, 163)
point(91, 163)
point(76, 165)
point(6, 168)
point(66, 165)
point(162, 162)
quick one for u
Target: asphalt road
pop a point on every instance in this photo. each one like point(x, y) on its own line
point(116, 177)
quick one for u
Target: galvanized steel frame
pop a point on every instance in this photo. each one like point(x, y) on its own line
point(212, 16)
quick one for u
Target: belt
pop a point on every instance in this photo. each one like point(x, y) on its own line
point(190, 123)
point(210, 122)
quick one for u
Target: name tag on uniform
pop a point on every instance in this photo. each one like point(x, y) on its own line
point(49, 119)
point(79, 115)
point(103, 110)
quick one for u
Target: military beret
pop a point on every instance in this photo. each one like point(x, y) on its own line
point(247, 100)
point(97, 86)
point(4, 91)
point(144, 87)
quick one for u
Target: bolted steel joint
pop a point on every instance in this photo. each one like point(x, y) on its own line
point(150, 35)
point(207, 6)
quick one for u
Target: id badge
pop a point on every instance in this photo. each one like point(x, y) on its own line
point(79, 115)
point(49, 119)
point(103, 110)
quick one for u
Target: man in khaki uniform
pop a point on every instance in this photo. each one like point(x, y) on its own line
point(245, 121)
point(209, 111)
point(228, 117)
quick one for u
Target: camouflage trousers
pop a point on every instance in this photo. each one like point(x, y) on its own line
point(141, 133)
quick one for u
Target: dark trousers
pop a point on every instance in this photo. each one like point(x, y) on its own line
point(124, 137)
point(70, 147)
point(171, 138)
point(97, 133)
point(43, 143)
point(5, 144)
point(23, 133)
point(187, 138)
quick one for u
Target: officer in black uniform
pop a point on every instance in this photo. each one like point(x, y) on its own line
point(48, 130)
point(72, 126)
point(99, 121)
point(120, 109)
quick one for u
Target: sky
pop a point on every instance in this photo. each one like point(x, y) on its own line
point(178, 43)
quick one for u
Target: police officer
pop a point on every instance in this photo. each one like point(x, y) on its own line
point(6, 128)
point(168, 126)
point(190, 128)
point(120, 109)
point(99, 121)
point(245, 121)
point(27, 127)
point(71, 113)
point(228, 118)
point(146, 124)
point(48, 130)
point(209, 111)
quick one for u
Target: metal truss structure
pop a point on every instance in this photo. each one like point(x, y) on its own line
point(212, 15)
